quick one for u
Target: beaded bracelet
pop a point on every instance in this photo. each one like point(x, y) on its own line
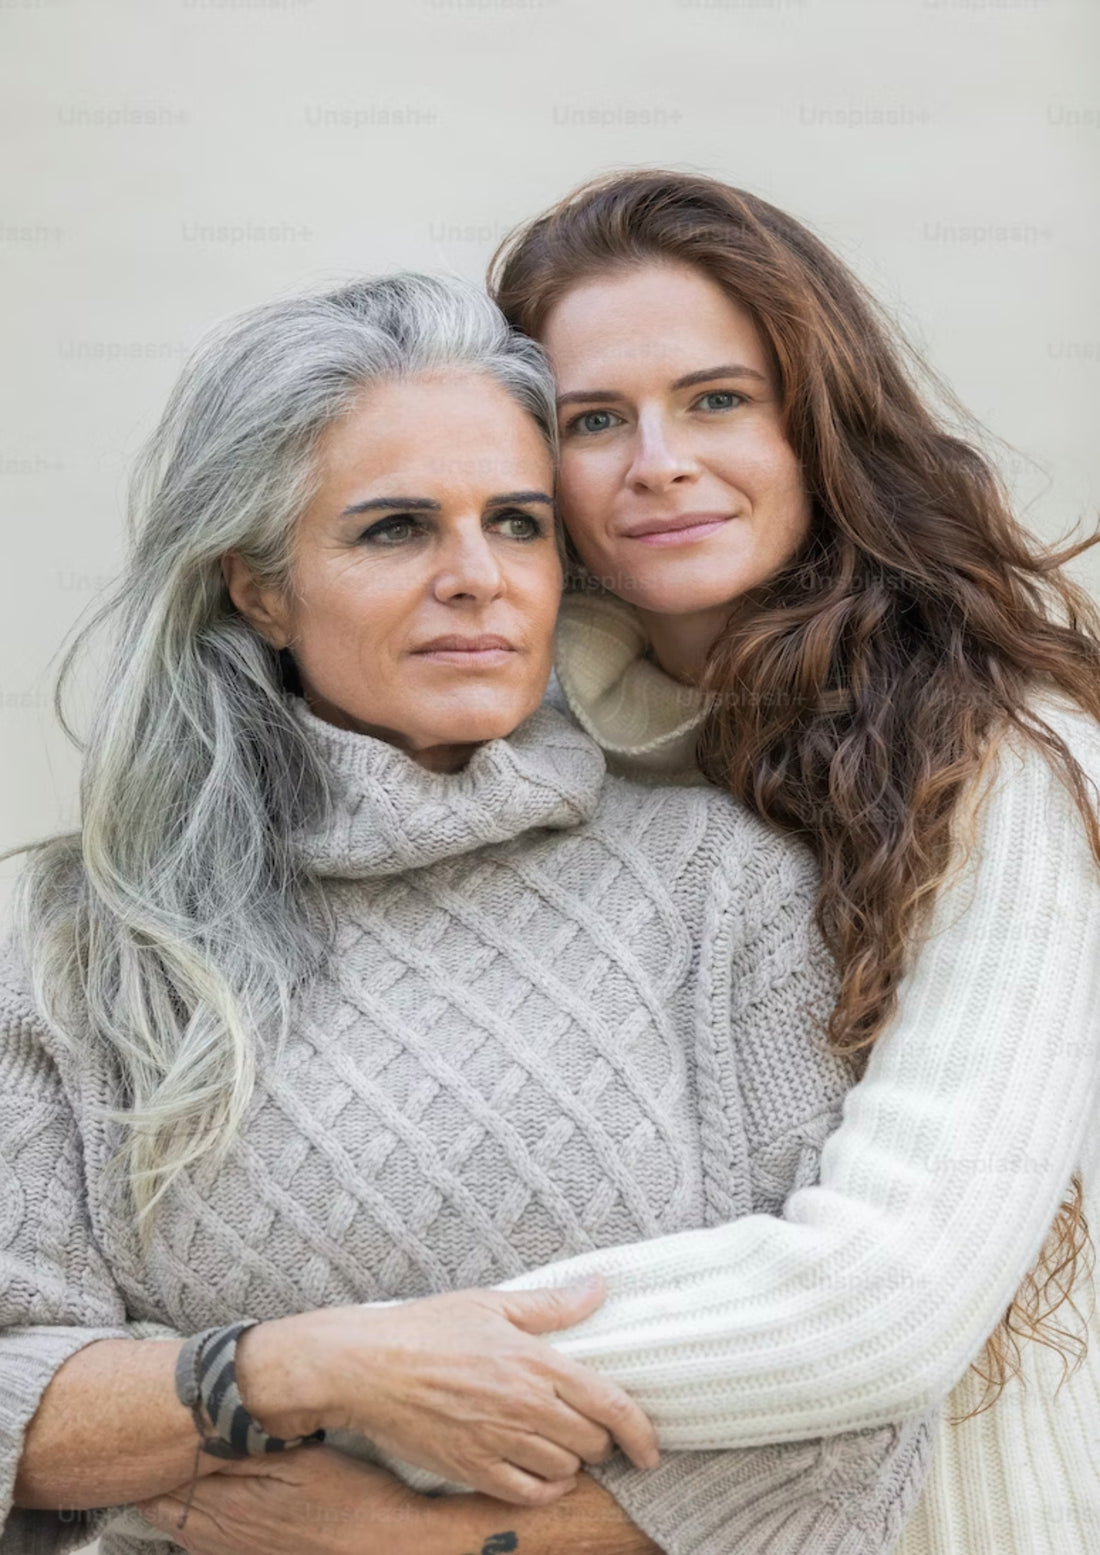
point(206, 1378)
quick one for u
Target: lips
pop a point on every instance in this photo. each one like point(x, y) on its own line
point(675, 528)
point(486, 652)
point(473, 645)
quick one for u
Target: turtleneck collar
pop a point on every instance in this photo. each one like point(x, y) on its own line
point(391, 814)
point(644, 721)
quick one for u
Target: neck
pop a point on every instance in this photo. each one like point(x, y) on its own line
point(434, 758)
point(681, 643)
point(442, 758)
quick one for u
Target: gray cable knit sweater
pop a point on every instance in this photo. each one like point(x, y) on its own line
point(563, 1012)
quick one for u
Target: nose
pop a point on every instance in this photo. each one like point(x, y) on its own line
point(660, 456)
point(469, 569)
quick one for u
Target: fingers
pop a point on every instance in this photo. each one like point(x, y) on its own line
point(164, 1512)
point(576, 1433)
point(612, 1407)
point(545, 1458)
point(514, 1485)
point(550, 1307)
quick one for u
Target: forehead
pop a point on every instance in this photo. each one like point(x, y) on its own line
point(457, 431)
point(659, 320)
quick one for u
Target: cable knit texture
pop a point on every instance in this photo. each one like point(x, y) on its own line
point(563, 1014)
point(877, 1287)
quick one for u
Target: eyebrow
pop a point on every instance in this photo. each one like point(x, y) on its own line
point(427, 505)
point(520, 496)
point(707, 375)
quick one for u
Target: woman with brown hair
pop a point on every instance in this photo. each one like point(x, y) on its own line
point(793, 579)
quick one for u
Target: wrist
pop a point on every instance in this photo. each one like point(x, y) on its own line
point(587, 1518)
point(456, 1524)
point(279, 1375)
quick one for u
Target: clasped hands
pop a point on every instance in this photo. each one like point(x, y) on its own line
point(318, 1501)
point(309, 1501)
point(456, 1384)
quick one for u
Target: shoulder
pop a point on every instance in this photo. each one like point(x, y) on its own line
point(27, 1058)
point(1065, 718)
point(16, 994)
point(1022, 857)
point(1022, 779)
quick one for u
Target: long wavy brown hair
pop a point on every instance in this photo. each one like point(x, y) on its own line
point(861, 690)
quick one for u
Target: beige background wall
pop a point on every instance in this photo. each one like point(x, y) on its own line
point(170, 161)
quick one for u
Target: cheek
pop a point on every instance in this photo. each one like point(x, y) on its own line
point(789, 488)
point(347, 618)
point(587, 485)
point(768, 472)
point(537, 591)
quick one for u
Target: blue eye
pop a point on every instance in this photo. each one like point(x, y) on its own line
point(592, 421)
point(728, 396)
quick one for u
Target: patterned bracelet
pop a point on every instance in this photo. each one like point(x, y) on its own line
point(206, 1378)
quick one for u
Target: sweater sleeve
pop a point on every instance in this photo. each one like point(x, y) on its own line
point(56, 1292)
point(868, 1297)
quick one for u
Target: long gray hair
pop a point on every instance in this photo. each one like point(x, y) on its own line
point(172, 926)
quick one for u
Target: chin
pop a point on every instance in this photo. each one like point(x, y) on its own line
point(476, 726)
point(683, 596)
point(676, 585)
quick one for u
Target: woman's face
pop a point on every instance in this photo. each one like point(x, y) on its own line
point(427, 575)
point(677, 483)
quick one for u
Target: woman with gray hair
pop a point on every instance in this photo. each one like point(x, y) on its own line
point(361, 987)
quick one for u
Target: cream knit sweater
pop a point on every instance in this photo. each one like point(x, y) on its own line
point(563, 1014)
point(875, 1289)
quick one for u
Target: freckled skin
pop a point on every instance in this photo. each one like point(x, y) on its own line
point(714, 447)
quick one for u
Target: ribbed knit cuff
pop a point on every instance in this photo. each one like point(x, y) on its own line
point(29, 1357)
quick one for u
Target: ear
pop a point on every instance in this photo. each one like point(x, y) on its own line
point(263, 608)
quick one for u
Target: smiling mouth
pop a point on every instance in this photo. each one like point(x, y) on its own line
point(678, 529)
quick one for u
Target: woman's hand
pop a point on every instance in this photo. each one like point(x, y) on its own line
point(314, 1501)
point(309, 1501)
point(459, 1384)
